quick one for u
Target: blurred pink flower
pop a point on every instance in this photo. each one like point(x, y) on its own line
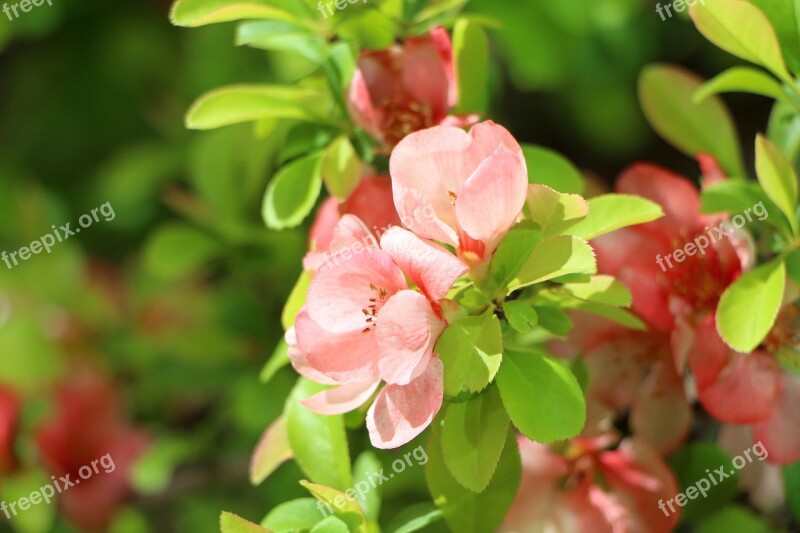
point(87, 425)
point(362, 324)
point(9, 420)
point(475, 183)
point(591, 487)
point(406, 88)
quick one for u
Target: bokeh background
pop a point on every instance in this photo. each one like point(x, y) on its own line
point(155, 326)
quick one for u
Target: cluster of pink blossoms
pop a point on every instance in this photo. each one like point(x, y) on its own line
point(364, 323)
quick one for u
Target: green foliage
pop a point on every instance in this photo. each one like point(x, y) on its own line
point(777, 178)
point(473, 436)
point(271, 451)
point(554, 257)
point(554, 212)
point(734, 518)
point(345, 508)
point(471, 51)
point(748, 308)
point(542, 396)
point(610, 212)
point(549, 168)
point(697, 461)
point(292, 193)
point(471, 350)
point(295, 515)
point(741, 79)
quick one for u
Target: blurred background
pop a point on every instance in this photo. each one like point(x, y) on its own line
point(144, 335)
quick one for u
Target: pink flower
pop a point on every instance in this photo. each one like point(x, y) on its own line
point(86, 426)
point(371, 201)
point(406, 88)
point(476, 184)
point(362, 324)
point(592, 488)
point(9, 420)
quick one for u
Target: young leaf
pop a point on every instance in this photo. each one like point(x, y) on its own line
point(292, 193)
point(331, 524)
point(276, 35)
point(665, 93)
point(473, 436)
point(471, 350)
point(414, 518)
point(555, 320)
point(777, 178)
point(609, 212)
point(272, 451)
point(245, 103)
point(741, 79)
point(278, 360)
point(344, 507)
point(521, 316)
point(784, 18)
point(318, 442)
point(295, 515)
point(193, 13)
point(549, 168)
point(471, 51)
point(230, 523)
point(341, 168)
point(542, 396)
point(738, 197)
point(601, 289)
point(748, 307)
point(554, 257)
point(513, 252)
point(740, 28)
point(365, 466)
point(465, 511)
point(554, 212)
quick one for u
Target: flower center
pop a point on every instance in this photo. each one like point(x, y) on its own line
point(402, 117)
point(379, 297)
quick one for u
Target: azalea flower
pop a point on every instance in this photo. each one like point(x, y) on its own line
point(9, 420)
point(476, 184)
point(406, 88)
point(591, 487)
point(86, 426)
point(363, 324)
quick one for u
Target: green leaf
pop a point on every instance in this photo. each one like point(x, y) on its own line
point(521, 316)
point(295, 515)
point(465, 511)
point(278, 360)
point(38, 517)
point(193, 13)
point(153, 471)
point(740, 196)
point(471, 350)
point(292, 193)
point(473, 436)
point(552, 211)
point(554, 257)
point(610, 212)
point(601, 289)
point(784, 129)
point(331, 524)
point(665, 93)
point(615, 314)
point(271, 452)
point(741, 79)
point(740, 28)
point(365, 466)
point(319, 442)
point(341, 168)
point(178, 251)
point(542, 396)
point(415, 518)
point(748, 308)
point(343, 506)
point(735, 519)
point(371, 30)
point(230, 523)
point(549, 168)
point(513, 252)
point(784, 19)
point(554, 320)
point(435, 9)
point(471, 54)
point(777, 178)
point(246, 103)
point(791, 483)
point(690, 465)
point(276, 35)
point(296, 301)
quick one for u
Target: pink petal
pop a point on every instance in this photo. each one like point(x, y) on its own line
point(361, 108)
point(407, 332)
point(412, 206)
point(340, 292)
point(372, 202)
point(299, 361)
point(734, 388)
point(661, 414)
point(780, 434)
point(401, 412)
point(432, 268)
point(346, 357)
point(428, 71)
point(491, 199)
point(342, 399)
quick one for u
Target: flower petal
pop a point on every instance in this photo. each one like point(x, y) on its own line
point(407, 331)
point(372, 202)
point(780, 434)
point(432, 268)
point(347, 357)
point(661, 414)
point(342, 399)
point(299, 361)
point(401, 412)
point(492, 198)
point(428, 71)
